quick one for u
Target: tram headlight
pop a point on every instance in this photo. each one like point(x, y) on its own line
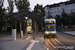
point(46, 32)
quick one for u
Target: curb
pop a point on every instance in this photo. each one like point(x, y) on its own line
point(69, 34)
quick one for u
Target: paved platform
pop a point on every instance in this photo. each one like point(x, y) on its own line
point(6, 43)
point(70, 32)
point(38, 46)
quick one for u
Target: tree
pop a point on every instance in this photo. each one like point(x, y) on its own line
point(22, 4)
point(39, 10)
point(72, 18)
point(58, 20)
point(2, 10)
point(2, 13)
point(10, 10)
point(50, 16)
point(64, 18)
point(10, 7)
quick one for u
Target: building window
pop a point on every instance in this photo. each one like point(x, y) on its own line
point(51, 12)
point(59, 8)
point(54, 12)
point(50, 9)
point(58, 11)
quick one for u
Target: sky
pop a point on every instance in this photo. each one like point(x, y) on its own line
point(34, 2)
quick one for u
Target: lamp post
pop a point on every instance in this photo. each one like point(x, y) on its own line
point(26, 19)
point(26, 24)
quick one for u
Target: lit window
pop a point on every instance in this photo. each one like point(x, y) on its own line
point(59, 8)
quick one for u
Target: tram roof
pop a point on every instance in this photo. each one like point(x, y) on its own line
point(49, 19)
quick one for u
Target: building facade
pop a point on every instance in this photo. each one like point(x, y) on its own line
point(57, 9)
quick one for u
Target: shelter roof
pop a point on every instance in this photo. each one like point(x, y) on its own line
point(20, 15)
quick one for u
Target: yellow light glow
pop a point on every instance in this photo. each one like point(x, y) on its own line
point(27, 24)
point(50, 22)
point(48, 27)
point(30, 24)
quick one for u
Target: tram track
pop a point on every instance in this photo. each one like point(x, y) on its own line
point(61, 42)
point(56, 44)
point(68, 36)
point(52, 45)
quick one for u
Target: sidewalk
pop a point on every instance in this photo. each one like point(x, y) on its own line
point(38, 46)
point(70, 32)
point(6, 43)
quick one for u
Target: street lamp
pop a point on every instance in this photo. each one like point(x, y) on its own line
point(26, 17)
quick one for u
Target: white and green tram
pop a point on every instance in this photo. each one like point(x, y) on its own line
point(50, 28)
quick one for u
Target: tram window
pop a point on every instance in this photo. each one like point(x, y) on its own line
point(49, 28)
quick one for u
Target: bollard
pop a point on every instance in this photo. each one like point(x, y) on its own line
point(21, 34)
point(13, 34)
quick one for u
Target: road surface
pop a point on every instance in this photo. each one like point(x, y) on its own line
point(61, 42)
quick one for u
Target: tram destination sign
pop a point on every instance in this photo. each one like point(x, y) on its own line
point(50, 22)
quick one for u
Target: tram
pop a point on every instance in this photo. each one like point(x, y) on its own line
point(29, 26)
point(50, 28)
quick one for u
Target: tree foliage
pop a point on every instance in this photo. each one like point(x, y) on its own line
point(72, 18)
point(22, 4)
point(2, 10)
point(66, 19)
point(10, 10)
point(50, 16)
point(2, 13)
point(58, 20)
point(10, 7)
point(39, 9)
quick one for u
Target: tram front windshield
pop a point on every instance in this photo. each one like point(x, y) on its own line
point(50, 28)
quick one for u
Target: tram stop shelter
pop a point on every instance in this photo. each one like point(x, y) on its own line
point(20, 17)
